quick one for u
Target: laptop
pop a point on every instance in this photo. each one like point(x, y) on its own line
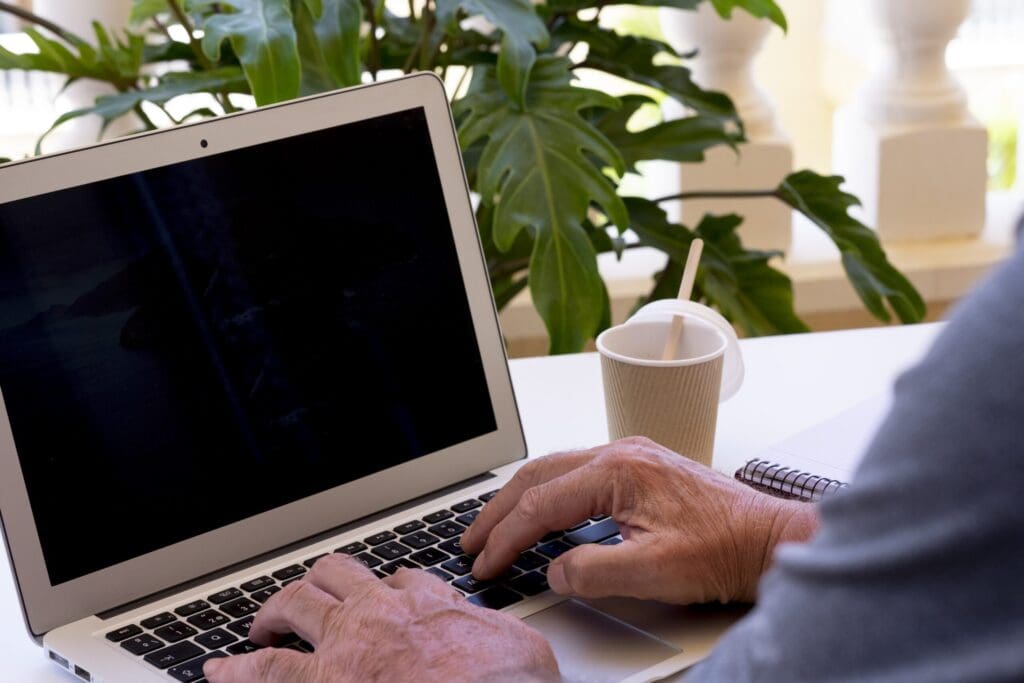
point(230, 348)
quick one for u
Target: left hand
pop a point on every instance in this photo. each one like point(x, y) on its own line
point(409, 626)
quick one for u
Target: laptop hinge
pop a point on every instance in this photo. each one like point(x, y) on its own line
point(284, 550)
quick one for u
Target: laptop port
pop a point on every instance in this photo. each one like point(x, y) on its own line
point(60, 660)
point(82, 673)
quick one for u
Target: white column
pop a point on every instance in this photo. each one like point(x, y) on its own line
point(77, 16)
point(727, 49)
point(907, 144)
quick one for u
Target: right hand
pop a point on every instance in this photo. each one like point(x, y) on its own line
point(690, 534)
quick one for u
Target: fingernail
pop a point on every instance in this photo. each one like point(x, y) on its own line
point(556, 578)
point(480, 564)
point(211, 667)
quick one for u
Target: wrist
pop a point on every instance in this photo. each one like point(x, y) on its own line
point(770, 522)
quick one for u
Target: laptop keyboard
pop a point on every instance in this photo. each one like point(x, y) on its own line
point(181, 640)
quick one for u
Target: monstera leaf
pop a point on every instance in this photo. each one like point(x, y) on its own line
point(262, 35)
point(683, 140)
point(114, 60)
point(521, 29)
point(739, 282)
point(329, 45)
point(875, 280)
point(537, 169)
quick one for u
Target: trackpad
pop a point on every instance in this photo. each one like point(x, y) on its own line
point(594, 647)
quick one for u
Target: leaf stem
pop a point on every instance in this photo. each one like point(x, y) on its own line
point(374, 61)
point(718, 194)
point(146, 121)
point(33, 18)
point(197, 50)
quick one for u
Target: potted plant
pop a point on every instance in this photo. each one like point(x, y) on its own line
point(545, 156)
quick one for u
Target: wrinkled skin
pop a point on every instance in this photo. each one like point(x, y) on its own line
point(690, 535)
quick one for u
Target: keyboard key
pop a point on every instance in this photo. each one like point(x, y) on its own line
point(216, 639)
point(577, 527)
point(439, 516)
point(392, 567)
point(598, 518)
point(192, 671)
point(614, 540)
point(264, 595)
point(208, 619)
point(243, 648)
point(311, 561)
point(466, 505)
point(140, 645)
point(257, 584)
point(382, 537)
point(530, 560)
point(390, 551)
point(487, 496)
point(191, 608)
point(452, 547)
point(409, 527)
point(368, 560)
point(175, 631)
point(498, 597)
point(594, 533)
point(440, 573)
point(553, 549)
point(429, 556)
point(459, 566)
point(174, 655)
point(379, 574)
point(236, 609)
point(306, 646)
point(123, 632)
point(420, 539)
point(241, 627)
point(447, 529)
point(158, 620)
point(351, 548)
point(550, 536)
point(225, 595)
point(289, 572)
point(467, 518)
point(469, 584)
point(529, 584)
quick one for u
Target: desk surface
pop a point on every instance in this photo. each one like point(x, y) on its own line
point(791, 383)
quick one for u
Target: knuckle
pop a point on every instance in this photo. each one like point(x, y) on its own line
point(530, 504)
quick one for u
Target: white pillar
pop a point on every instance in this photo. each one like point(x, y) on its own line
point(727, 49)
point(907, 144)
point(77, 16)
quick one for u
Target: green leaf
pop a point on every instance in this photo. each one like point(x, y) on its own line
point(329, 46)
point(5, 160)
point(634, 58)
point(146, 9)
point(537, 170)
point(759, 8)
point(117, 62)
point(740, 283)
point(521, 29)
point(263, 36)
point(174, 84)
point(507, 289)
point(875, 280)
point(683, 140)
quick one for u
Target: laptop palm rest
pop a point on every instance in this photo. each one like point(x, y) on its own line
point(594, 647)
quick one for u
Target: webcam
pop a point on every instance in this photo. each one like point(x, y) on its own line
point(203, 143)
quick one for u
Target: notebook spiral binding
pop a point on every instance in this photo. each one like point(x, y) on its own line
point(786, 482)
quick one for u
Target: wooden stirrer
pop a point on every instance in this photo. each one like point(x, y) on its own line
point(685, 289)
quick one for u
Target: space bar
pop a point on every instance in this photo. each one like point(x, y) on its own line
point(595, 533)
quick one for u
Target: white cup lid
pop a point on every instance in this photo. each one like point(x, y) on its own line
point(732, 364)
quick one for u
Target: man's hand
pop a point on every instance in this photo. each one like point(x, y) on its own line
point(409, 626)
point(690, 534)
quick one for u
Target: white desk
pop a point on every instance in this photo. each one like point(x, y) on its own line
point(791, 383)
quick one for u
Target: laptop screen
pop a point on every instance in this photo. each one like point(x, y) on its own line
point(188, 346)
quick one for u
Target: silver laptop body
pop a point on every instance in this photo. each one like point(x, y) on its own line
point(231, 347)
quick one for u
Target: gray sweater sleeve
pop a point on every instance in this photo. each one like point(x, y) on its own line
point(917, 572)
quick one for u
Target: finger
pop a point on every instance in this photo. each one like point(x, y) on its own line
point(340, 575)
point(300, 608)
point(529, 475)
point(598, 571)
point(419, 581)
point(554, 505)
point(264, 666)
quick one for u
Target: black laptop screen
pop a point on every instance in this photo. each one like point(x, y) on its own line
point(186, 347)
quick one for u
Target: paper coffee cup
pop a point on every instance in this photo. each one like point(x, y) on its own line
point(673, 402)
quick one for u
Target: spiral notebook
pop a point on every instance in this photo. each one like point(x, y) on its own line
point(818, 461)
